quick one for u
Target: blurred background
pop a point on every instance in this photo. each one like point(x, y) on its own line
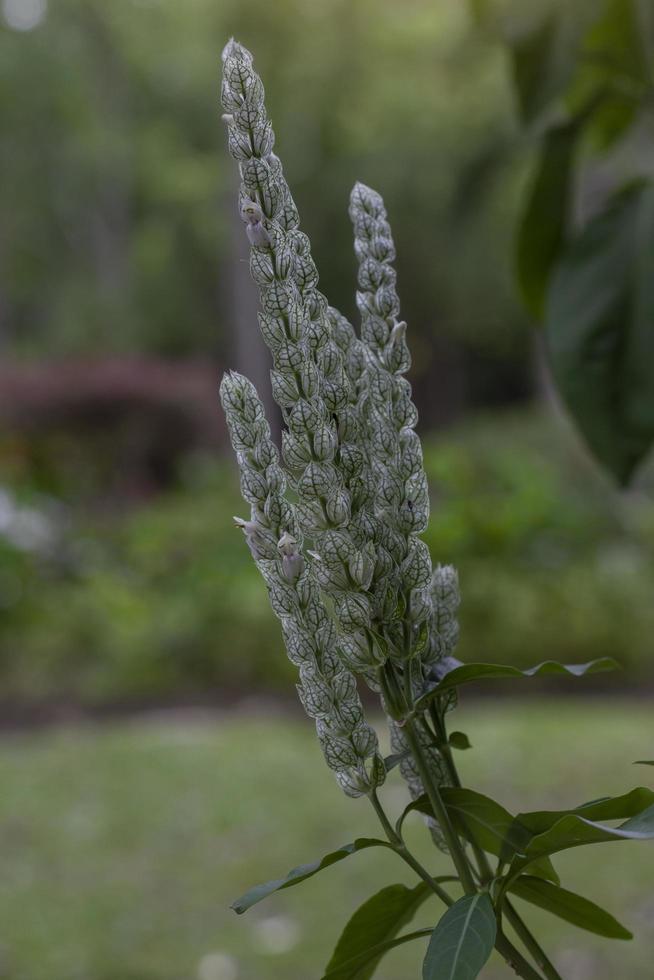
point(152, 760)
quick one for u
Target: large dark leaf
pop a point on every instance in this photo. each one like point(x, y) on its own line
point(608, 808)
point(486, 823)
point(542, 226)
point(600, 330)
point(545, 57)
point(302, 872)
point(538, 74)
point(375, 922)
point(462, 941)
point(574, 831)
point(573, 908)
point(614, 66)
point(466, 673)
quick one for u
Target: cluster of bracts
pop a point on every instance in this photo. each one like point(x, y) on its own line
point(335, 523)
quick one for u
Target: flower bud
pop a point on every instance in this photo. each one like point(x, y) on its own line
point(295, 451)
point(292, 559)
point(278, 298)
point(251, 213)
point(420, 607)
point(416, 568)
point(315, 694)
point(239, 144)
point(337, 508)
point(272, 330)
point(261, 266)
point(284, 388)
point(338, 751)
point(257, 235)
point(254, 539)
point(361, 567)
point(263, 140)
point(353, 610)
point(325, 442)
point(288, 356)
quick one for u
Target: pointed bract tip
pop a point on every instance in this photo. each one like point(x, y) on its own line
point(362, 193)
point(231, 390)
point(225, 381)
point(361, 188)
point(231, 377)
point(235, 50)
point(228, 49)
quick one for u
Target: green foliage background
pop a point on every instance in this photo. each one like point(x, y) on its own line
point(118, 201)
point(117, 187)
point(165, 601)
point(118, 205)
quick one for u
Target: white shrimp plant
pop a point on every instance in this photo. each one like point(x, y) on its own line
point(334, 529)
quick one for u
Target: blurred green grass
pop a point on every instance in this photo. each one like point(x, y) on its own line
point(123, 846)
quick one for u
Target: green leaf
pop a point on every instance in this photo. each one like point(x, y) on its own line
point(614, 114)
point(459, 740)
point(377, 920)
point(535, 70)
point(485, 822)
point(375, 953)
point(566, 829)
point(302, 872)
point(542, 226)
point(462, 941)
point(599, 329)
point(474, 672)
point(573, 908)
point(552, 59)
point(488, 824)
point(391, 761)
point(608, 808)
point(574, 831)
point(612, 65)
point(421, 805)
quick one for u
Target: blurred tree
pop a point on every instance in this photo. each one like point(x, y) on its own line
point(583, 76)
point(113, 174)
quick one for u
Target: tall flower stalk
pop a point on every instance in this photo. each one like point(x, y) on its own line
point(334, 528)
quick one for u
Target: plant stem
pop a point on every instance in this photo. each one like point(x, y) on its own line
point(456, 850)
point(512, 956)
point(515, 959)
point(397, 698)
point(400, 848)
point(485, 870)
point(530, 942)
